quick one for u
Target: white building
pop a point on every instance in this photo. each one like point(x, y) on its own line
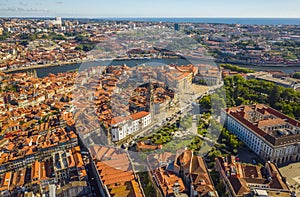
point(56, 22)
point(140, 120)
point(123, 126)
point(120, 127)
point(270, 134)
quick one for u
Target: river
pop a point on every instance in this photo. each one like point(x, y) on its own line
point(42, 72)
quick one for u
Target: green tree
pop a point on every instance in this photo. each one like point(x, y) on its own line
point(240, 91)
point(296, 111)
point(296, 75)
point(287, 94)
point(205, 102)
point(81, 38)
point(274, 95)
point(4, 36)
point(287, 109)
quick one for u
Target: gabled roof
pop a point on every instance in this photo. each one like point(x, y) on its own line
point(139, 115)
point(119, 119)
point(239, 185)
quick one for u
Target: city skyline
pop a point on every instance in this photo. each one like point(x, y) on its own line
point(137, 9)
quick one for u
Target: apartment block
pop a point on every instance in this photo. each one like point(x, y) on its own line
point(123, 126)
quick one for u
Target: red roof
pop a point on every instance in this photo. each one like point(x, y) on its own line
point(139, 115)
point(118, 119)
point(239, 114)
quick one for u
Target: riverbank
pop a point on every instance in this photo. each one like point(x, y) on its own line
point(127, 59)
point(44, 70)
point(36, 66)
point(260, 65)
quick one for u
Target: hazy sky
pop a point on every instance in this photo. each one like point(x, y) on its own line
point(152, 8)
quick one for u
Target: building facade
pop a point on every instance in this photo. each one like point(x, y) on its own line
point(183, 174)
point(123, 126)
point(270, 134)
point(140, 120)
point(241, 179)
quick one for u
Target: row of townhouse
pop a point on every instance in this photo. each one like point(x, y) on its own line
point(122, 126)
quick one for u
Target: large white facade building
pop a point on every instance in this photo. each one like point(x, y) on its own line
point(123, 126)
point(120, 128)
point(270, 134)
point(140, 120)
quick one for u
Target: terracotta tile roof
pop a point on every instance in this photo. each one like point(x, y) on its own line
point(35, 170)
point(21, 177)
point(119, 119)
point(78, 159)
point(115, 171)
point(239, 186)
point(242, 175)
point(169, 182)
point(270, 118)
point(142, 146)
point(43, 175)
point(200, 177)
point(271, 122)
point(139, 115)
point(5, 181)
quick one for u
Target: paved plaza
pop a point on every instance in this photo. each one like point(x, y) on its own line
point(292, 173)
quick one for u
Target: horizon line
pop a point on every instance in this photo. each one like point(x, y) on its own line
point(142, 17)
